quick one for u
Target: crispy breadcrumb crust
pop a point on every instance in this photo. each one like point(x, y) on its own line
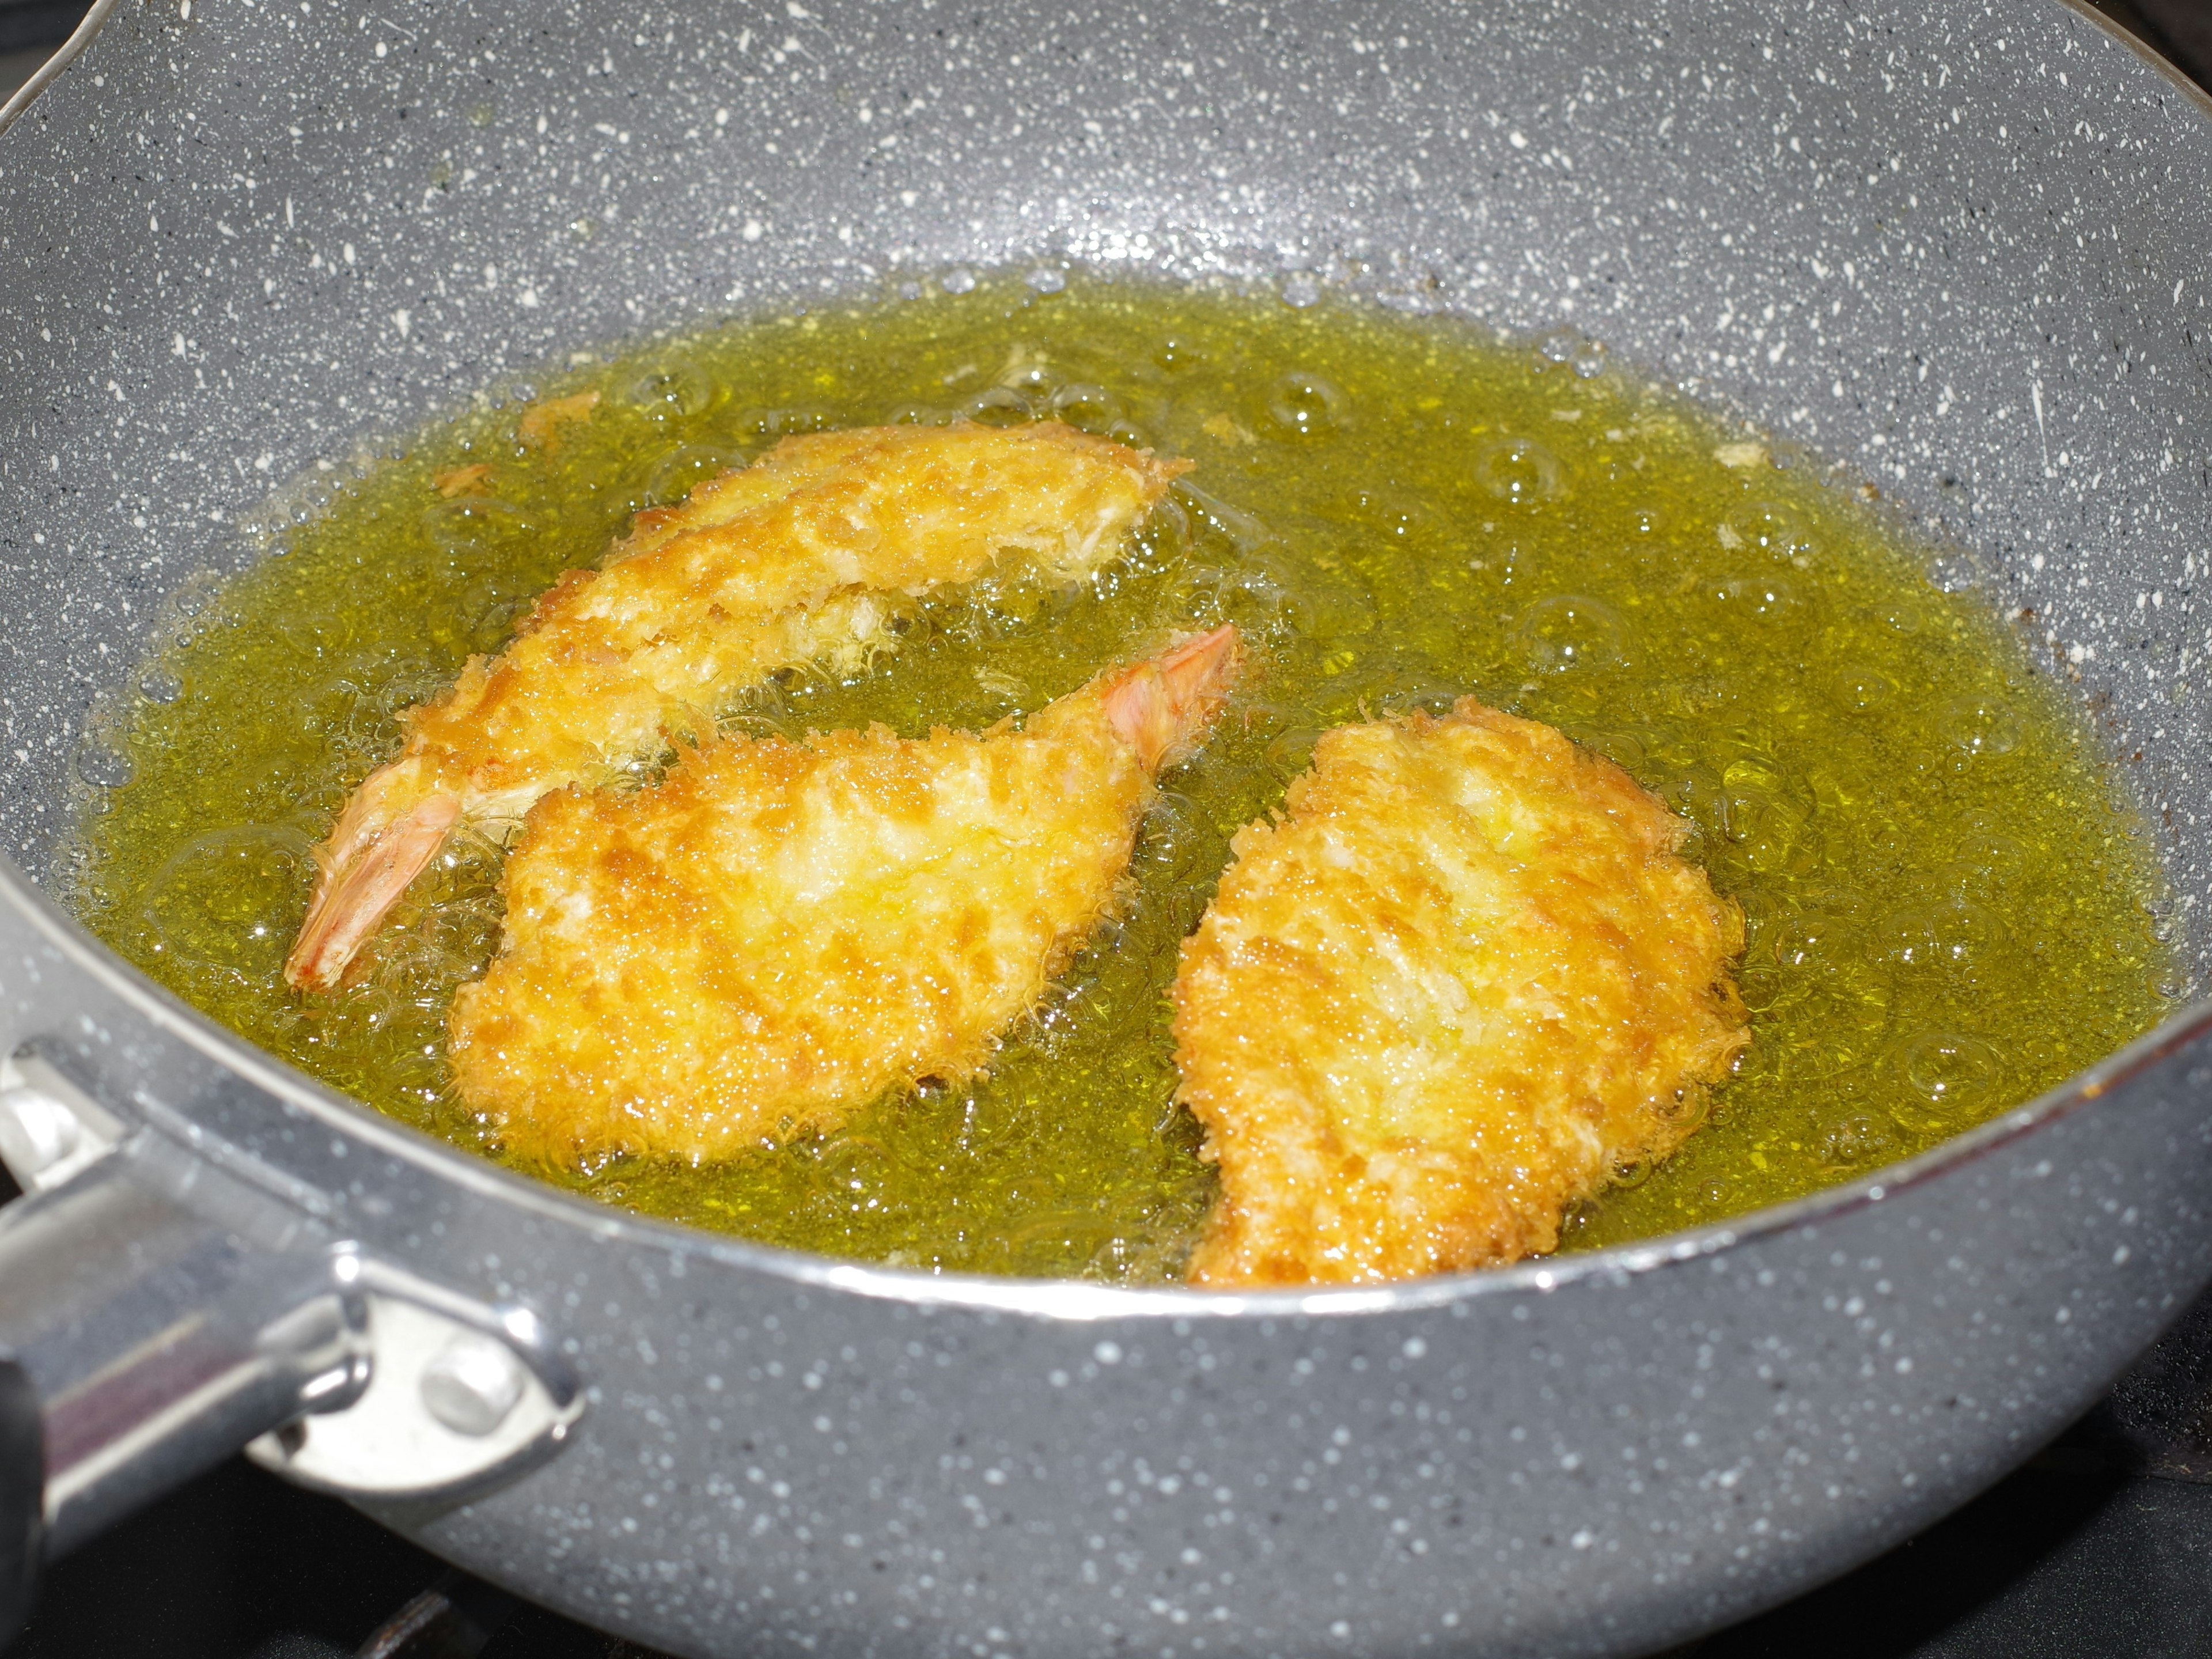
point(796, 559)
point(1461, 978)
point(805, 557)
point(780, 931)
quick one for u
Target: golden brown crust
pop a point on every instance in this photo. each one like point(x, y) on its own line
point(1462, 977)
point(780, 931)
point(796, 557)
point(800, 559)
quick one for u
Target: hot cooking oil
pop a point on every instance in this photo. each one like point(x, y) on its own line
point(1950, 905)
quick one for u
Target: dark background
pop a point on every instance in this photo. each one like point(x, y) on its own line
point(2100, 1549)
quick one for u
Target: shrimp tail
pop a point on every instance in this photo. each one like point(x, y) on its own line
point(372, 856)
point(1162, 707)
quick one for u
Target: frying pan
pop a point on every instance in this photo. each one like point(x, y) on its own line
point(1965, 248)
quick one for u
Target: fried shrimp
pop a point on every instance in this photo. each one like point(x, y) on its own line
point(780, 931)
point(802, 557)
point(1460, 979)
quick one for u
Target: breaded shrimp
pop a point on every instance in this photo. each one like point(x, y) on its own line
point(1464, 975)
point(800, 558)
point(780, 931)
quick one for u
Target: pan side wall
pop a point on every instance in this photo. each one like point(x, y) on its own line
point(1603, 1469)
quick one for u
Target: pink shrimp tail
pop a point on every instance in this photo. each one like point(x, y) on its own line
point(1163, 705)
point(366, 867)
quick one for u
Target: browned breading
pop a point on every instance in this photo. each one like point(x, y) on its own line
point(800, 558)
point(1463, 976)
point(780, 932)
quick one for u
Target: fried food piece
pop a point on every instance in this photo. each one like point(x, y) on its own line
point(1460, 979)
point(464, 481)
point(800, 558)
point(541, 424)
point(780, 931)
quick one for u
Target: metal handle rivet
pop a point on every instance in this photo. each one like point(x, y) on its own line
point(36, 1130)
point(473, 1384)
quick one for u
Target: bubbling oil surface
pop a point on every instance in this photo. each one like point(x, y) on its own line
point(1949, 905)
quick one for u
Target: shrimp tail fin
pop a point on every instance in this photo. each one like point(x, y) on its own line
point(370, 859)
point(1163, 706)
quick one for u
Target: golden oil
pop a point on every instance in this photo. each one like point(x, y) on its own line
point(1948, 900)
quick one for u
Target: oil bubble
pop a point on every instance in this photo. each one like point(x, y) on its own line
point(1981, 862)
point(1303, 405)
point(1980, 726)
point(1412, 694)
point(1400, 518)
point(104, 768)
point(1630, 1176)
point(1175, 354)
point(1092, 408)
point(1762, 599)
point(490, 605)
point(999, 406)
point(1855, 1142)
point(1770, 527)
point(230, 901)
point(918, 414)
point(1762, 990)
point(1646, 520)
point(1624, 749)
point(1292, 752)
point(1766, 815)
point(1953, 573)
point(159, 685)
point(477, 524)
point(1245, 530)
point(673, 391)
point(1328, 612)
point(1560, 345)
point(1950, 1068)
point(1192, 596)
point(1824, 933)
point(1695, 792)
point(958, 280)
point(1045, 280)
point(1953, 933)
point(1588, 360)
point(683, 469)
point(1863, 690)
point(1568, 631)
point(850, 1162)
point(1520, 471)
point(766, 425)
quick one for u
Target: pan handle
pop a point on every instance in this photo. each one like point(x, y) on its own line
point(159, 1310)
point(144, 1340)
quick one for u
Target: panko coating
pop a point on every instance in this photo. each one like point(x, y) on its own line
point(803, 557)
point(1460, 979)
point(780, 931)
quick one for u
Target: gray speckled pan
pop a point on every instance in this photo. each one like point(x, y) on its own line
point(1965, 248)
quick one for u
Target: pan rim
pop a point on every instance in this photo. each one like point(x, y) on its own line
point(1068, 1300)
point(1059, 1299)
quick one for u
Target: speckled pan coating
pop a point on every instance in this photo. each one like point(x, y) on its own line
point(1966, 248)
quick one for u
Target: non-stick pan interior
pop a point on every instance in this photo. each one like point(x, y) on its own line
point(1963, 252)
